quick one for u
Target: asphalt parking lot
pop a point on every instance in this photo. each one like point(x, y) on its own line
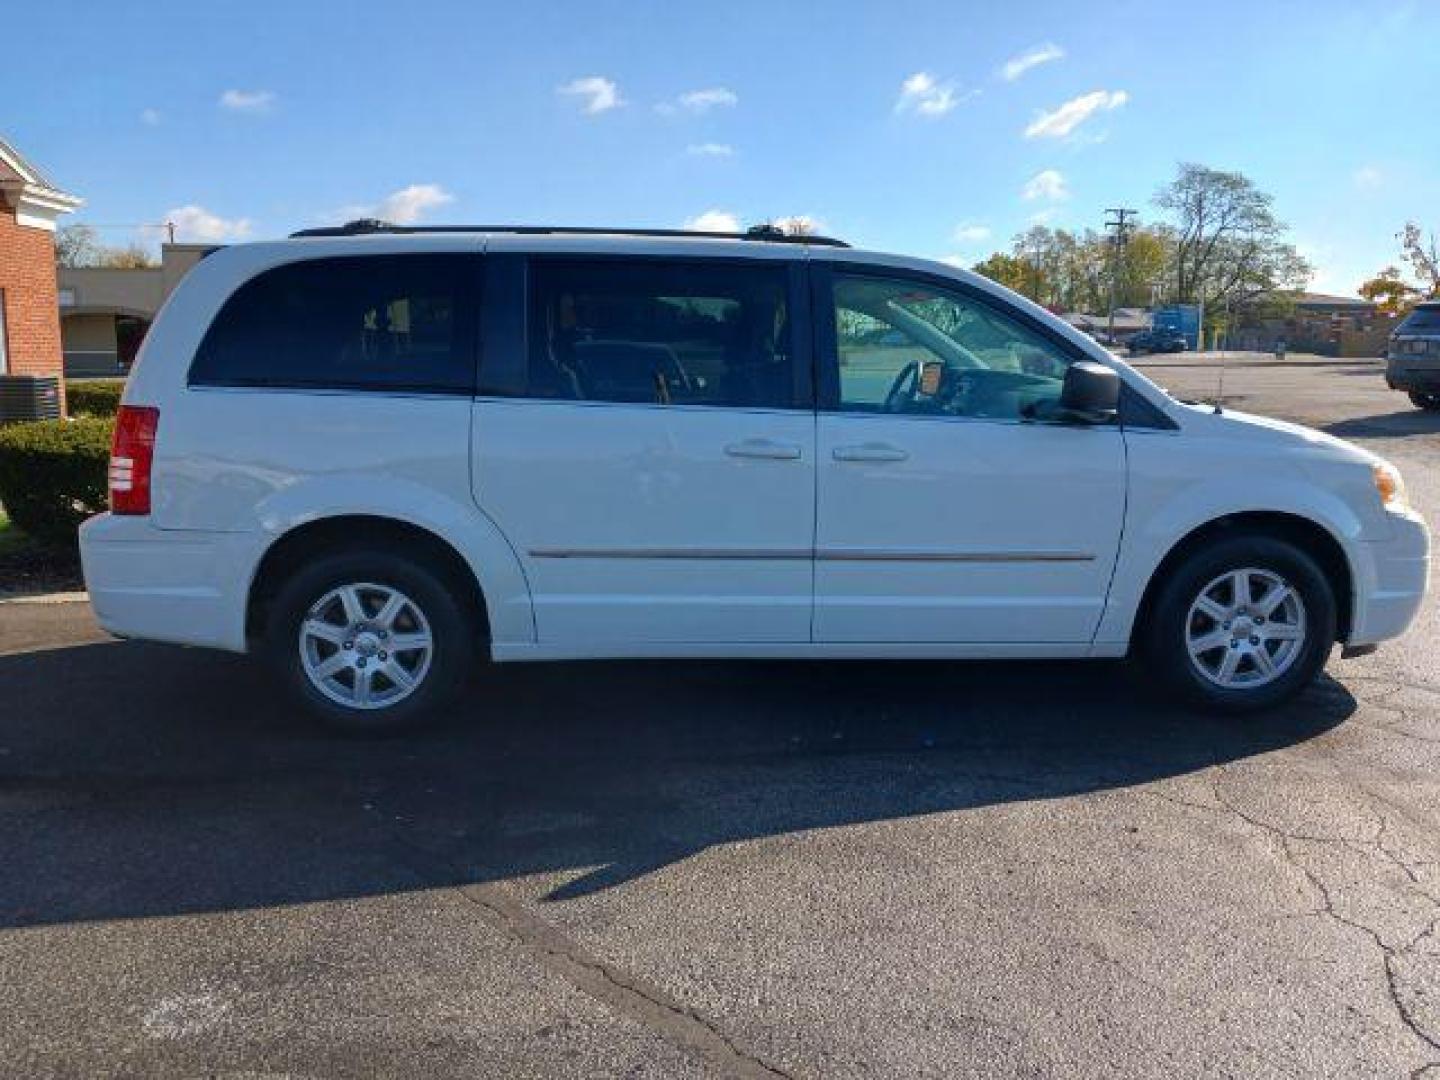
point(754, 869)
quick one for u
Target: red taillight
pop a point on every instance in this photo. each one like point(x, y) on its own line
point(131, 454)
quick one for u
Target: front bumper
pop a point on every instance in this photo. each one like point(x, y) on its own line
point(1391, 579)
point(185, 587)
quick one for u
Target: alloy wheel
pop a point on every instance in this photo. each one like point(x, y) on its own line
point(366, 646)
point(1245, 629)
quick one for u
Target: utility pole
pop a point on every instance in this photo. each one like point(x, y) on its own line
point(1118, 224)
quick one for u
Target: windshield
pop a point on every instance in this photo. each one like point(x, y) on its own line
point(1423, 320)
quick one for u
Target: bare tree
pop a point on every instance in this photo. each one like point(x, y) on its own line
point(79, 245)
point(1424, 257)
point(795, 225)
point(76, 245)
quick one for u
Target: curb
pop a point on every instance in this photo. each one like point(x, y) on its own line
point(47, 598)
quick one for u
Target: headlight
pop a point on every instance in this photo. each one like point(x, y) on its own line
point(1390, 487)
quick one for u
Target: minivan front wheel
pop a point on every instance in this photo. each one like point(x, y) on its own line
point(1242, 624)
point(370, 641)
point(1428, 402)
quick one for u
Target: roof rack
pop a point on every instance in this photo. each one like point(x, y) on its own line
point(371, 226)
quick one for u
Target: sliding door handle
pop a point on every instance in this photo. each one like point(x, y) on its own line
point(764, 448)
point(870, 451)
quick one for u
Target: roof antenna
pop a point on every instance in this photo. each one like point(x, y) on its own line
point(1224, 354)
point(1220, 390)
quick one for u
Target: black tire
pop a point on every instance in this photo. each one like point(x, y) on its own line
point(1428, 402)
point(455, 638)
point(1165, 637)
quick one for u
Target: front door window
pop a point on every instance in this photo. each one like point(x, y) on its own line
point(907, 348)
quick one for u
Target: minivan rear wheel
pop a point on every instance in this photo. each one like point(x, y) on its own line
point(1428, 402)
point(1243, 624)
point(369, 641)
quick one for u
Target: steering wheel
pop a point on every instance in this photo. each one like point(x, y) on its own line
point(910, 373)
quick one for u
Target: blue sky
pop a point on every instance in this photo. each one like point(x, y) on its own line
point(895, 124)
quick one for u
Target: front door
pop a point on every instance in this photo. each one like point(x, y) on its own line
point(952, 505)
point(652, 459)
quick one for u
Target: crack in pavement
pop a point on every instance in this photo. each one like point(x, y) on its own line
point(1328, 909)
point(681, 1025)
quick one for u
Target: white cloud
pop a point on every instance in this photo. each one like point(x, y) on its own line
point(714, 221)
point(150, 117)
point(1060, 122)
point(410, 204)
point(1030, 58)
point(713, 97)
point(195, 224)
point(710, 149)
point(1368, 177)
point(600, 94)
point(250, 101)
point(700, 101)
point(403, 207)
point(1048, 184)
point(1044, 217)
point(924, 94)
point(971, 233)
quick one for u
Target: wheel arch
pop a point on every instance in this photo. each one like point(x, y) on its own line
point(1305, 533)
point(339, 532)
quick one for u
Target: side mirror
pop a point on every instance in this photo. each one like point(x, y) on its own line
point(1090, 393)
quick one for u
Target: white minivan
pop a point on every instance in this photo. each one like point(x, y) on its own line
point(379, 456)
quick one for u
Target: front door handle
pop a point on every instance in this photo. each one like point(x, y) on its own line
point(764, 448)
point(870, 451)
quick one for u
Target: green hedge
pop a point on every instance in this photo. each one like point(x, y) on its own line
point(53, 474)
point(94, 397)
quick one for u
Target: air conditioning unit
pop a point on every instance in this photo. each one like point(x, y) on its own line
point(29, 397)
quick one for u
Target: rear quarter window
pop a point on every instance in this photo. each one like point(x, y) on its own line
point(370, 322)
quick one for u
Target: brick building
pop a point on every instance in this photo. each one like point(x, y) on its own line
point(29, 305)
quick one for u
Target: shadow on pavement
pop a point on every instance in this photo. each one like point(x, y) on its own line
point(1388, 425)
point(141, 780)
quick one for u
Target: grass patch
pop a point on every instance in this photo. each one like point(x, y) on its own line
point(28, 565)
point(11, 538)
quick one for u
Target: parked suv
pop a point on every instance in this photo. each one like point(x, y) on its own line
point(379, 460)
point(1159, 340)
point(1412, 362)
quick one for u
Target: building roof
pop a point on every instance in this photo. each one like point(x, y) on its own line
point(1315, 299)
point(1126, 319)
point(23, 166)
point(37, 201)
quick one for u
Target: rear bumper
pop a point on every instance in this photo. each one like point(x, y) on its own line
point(183, 587)
point(1421, 375)
point(1391, 578)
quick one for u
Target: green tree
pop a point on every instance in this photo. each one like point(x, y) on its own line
point(1228, 246)
point(1143, 267)
point(1070, 271)
point(1008, 270)
point(1389, 291)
